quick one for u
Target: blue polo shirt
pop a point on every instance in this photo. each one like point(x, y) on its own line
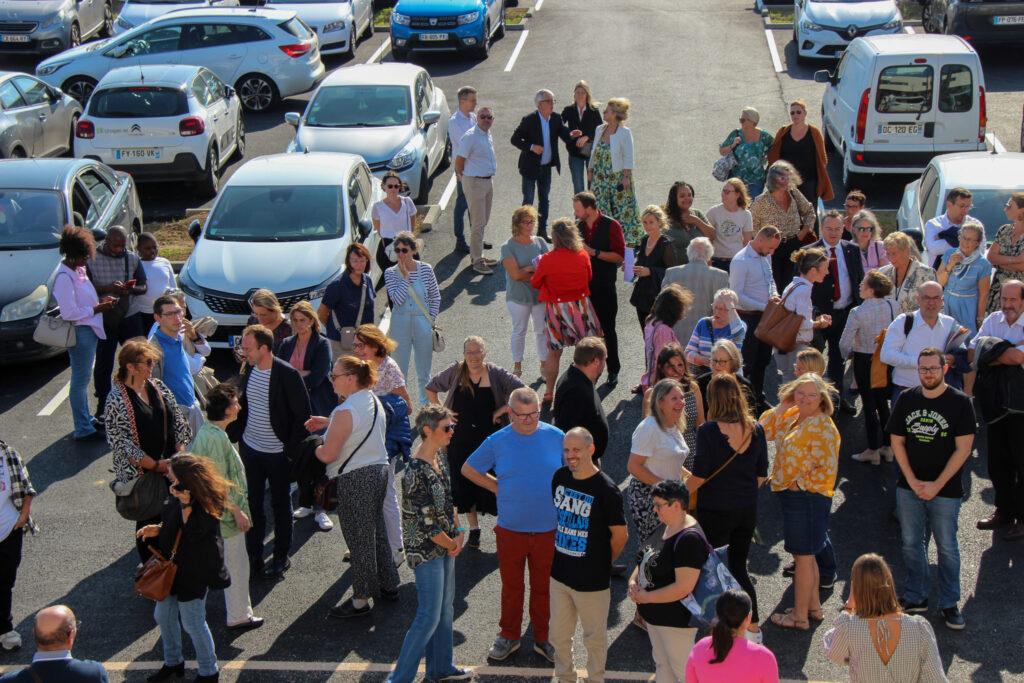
point(176, 373)
point(342, 297)
point(524, 466)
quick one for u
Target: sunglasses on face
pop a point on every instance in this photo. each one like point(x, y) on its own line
point(148, 362)
point(402, 250)
point(485, 117)
point(392, 186)
point(449, 428)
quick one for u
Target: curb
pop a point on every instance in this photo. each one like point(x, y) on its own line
point(521, 26)
point(430, 213)
point(382, 29)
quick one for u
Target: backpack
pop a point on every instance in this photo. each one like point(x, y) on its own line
point(715, 578)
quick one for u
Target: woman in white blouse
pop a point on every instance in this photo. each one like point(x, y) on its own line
point(812, 267)
point(610, 175)
point(391, 215)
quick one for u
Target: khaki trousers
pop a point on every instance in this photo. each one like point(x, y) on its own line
point(671, 648)
point(479, 193)
point(591, 608)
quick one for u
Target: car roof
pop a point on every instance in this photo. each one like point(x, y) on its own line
point(916, 44)
point(390, 73)
point(173, 75)
point(312, 168)
point(980, 170)
point(42, 174)
point(232, 12)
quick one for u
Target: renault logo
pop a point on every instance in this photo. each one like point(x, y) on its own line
point(136, 128)
point(851, 31)
point(433, 21)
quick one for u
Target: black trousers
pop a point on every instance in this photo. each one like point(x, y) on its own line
point(261, 468)
point(831, 335)
point(875, 402)
point(10, 559)
point(756, 356)
point(143, 546)
point(1006, 465)
point(128, 328)
point(734, 528)
point(782, 267)
point(606, 304)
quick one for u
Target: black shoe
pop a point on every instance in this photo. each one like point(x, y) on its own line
point(914, 607)
point(254, 622)
point(847, 407)
point(474, 538)
point(212, 678)
point(92, 436)
point(462, 248)
point(613, 379)
point(276, 570)
point(488, 245)
point(953, 618)
point(347, 610)
point(166, 672)
point(826, 582)
point(390, 596)
point(789, 569)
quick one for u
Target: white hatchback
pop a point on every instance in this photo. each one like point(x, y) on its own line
point(163, 123)
point(337, 23)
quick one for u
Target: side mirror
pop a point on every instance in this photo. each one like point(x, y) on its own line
point(229, 92)
point(365, 228)
point(292, 118)
point(194, 230)
point(98, 234)
point(822, 76)
point(430, 118)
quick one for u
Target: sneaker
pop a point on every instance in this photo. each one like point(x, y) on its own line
point(12, 640)
point(826, 582)
point(545, 650)
point(754, 637)
point(488, 245)
point(489, 262)
point(482, 268)
point(399, 557)
point(323, 521)
point(886, 453)
point(347, 610)
point(458, 675)
point(915, 607)
point(502, 648)
point(302, 513)
point(952, 616)
point(474, 538)
point(870, 456)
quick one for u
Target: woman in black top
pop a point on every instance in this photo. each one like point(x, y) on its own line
point(667, 572)
point(730, 465)
point(725, 360)
point(584, 116)
point(653, 257)
point(344, 297)
point(803, 145)
point(189, 530)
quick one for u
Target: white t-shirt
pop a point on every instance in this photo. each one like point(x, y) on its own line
point(360, 406)
point(159, 276)
point(664, 449)
point(8, 513)
point(391, 222)
point(729, 228)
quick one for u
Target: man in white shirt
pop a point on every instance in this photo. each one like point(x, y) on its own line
point(750, 276)
point(475, 166)
point(958, 203)
point(159, 276)
point(459, 124)
point(930, 328)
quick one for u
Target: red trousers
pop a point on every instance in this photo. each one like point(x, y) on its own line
point(516, 550)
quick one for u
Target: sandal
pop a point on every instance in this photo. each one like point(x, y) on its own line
point(813, 614)
point(788, 621)
point(517, 370)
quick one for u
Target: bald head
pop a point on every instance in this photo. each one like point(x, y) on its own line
point(55, 628)
point(929, 297)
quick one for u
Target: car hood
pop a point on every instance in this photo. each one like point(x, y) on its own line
point(20, 10)
point(373, 144)
point(76, 52)
point(22, 270)
point(316, 14)
point(842, 14)
point(426, 8)
point(237, 267)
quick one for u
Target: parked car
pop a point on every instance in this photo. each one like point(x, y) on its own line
point(337, 23)
point(52, 25)
point(391, 114)
point(446, 25)
point(264, 54)
point(163, 123)
point(38, 197)
point(137, 12)
point(823, 28)
point(298, 212)
point(991, 177)
point(979, 21)
point(36, 119)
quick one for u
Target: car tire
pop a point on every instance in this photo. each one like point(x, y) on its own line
point(79, 87)
point(485, 45)
point(352, 37)
point(240, 138)
point(18, 153)
point(424, 194)
point(75, 36)
point(210, 183)
point(256, 92)
point(399, 54)
point(71, 138)
point(108, 21)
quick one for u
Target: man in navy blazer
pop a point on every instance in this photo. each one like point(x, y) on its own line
point(55, 632)
point(535, 138)
point(838, 292)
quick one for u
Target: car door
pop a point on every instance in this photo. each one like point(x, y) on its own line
point(54, 122)
point(159, 45)
point(831, 101)
point(422, 92)
point(219, 113)
point(27, 130)
point(216, 46)
point(365, 12)
point(902, 114)
point(957, 121)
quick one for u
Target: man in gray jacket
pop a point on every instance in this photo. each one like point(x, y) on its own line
point(701, 280)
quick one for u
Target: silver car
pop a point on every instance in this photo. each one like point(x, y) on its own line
point(48, 26)
point(36, 119)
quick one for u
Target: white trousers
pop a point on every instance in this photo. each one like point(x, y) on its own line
point(671, 648)
point(236, 596)
point(392, 515)
point(521, 314)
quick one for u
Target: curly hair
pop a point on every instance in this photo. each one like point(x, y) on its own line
point(76, 243)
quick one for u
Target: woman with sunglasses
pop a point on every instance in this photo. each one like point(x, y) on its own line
point(392, 215)
point(750, 144)
point(867, 233)
point(802, 145)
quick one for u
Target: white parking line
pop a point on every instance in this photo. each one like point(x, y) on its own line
point(51, 407)
point(536, 8)
point(385, 323)
point(380, 50)
point(449, 190)
point(515, 52)
point(773, 50)
point(909, 29)
point(996, 145)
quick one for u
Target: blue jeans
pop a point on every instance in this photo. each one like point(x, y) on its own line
point(461, 208)
point(826, 559)
point(261, 468)
point(82, 356)
point(193, 618)
point(542, 185)
point(754, 189)
point(578, 169)
point(431, 629)
point(916, 516)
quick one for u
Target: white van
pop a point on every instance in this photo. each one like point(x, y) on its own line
point(896, 101)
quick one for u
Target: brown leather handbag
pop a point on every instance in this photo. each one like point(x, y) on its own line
point(779, 326)
point(157, 575)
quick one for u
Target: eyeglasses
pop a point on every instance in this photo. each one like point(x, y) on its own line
point(392, 186)
point(473, 353)
point(742, 120)
point(664, 504)
point(449, 428)
point(930, 371)
point(176, 313)
point(528, 221)
point(485, 117)
point(797, 111)
point(720, 361)
point(334, 376)
point(551, 101)
point(148, 362)
point(402, 250)
point(526, 416)
point(865, 228)
point(728, 190)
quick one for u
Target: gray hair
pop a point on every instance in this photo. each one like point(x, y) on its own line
point(565, 234)
point(751, 114)
point(541, 94)
point(700, 249)
point(430, 416)
point(728, 347)
point(869, 216)
point(729, 295)
point(523, 396)
point(582, 433)
point(976, 227)
point(773, 179)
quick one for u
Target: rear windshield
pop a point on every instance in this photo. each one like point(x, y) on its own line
point(355, 106)
point(30, 218)
point(956, 88)
point(295, 27)
point(136, 102)
point(905, 89)
point(277, 214)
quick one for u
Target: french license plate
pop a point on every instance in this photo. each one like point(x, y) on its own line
point(13, 38)
point(235, 340)
point(1002, 21)
point(434, 36)
point(139, 153)
point(902, 129)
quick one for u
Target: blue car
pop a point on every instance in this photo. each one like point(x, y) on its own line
point(446, 26)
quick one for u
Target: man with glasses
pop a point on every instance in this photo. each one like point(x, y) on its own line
point(475, 166)
point(55, 631)
point(462, 119)
point(524, 457)
point(854, 204)
point(932, 428)
point(942, 232)
point(538, 153)
point(175, 367)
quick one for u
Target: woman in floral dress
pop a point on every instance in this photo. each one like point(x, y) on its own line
point(611, 170)
point(1007, 250)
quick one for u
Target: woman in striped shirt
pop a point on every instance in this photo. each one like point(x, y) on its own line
point(724, 323)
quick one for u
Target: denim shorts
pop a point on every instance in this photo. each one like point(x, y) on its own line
point(804, 521)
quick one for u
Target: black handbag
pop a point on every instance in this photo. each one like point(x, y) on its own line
point(144, 497)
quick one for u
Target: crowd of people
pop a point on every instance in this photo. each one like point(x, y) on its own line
point(321, 400)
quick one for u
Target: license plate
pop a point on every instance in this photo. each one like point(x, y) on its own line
point(1008, 20)
point(235, 340)
point(143, 153)
point(9, 38)
point(434, 36)
point(902, 129)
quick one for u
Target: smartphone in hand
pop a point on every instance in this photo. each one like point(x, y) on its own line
point(130, 283)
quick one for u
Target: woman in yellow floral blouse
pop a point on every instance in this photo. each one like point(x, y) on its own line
point(806, 460)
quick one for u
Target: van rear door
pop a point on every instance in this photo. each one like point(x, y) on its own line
point(958, 125)
point(902, 115)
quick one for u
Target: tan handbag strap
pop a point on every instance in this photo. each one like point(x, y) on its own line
point(416, 298)
point(783, 300)
point(745, 442)
point(359, 315)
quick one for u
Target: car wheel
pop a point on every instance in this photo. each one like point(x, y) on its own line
point(75, 38)
point(79, 87)
point(71, 137)
point(210, 183)
point(108, 20)
point(351, 42)
point(240, 137)
point(399, 54)
point(18, 153)
point(424, 195)
point(256, 92)
point(485, 42)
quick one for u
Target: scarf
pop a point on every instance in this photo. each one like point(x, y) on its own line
point(961, 268)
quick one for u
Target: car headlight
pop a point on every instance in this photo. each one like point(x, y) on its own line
point(896, 23)
point(405, 158)
point(124, 23)
point(334, 26)
point(189, 286)
point(468, 18)
point(53, 20)
point(320, 290)
point(26, 307)
point(809, 25)
point(52, 67)
point(401, 19)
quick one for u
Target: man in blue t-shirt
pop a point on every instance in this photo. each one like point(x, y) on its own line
point(523, 456)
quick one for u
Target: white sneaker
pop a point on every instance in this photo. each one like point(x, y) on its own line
point(886, 453)
point(754, 637)
point(870, 455)
point(399, 557)
point(323, 521)
point(10, 640)
point(302, 513)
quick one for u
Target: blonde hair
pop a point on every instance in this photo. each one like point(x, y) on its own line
point(873, 588)
point(519, 214)
point(812, 360)
point(565, 235)
point(364, 372)
point(902, 241)
point(586, 88)
point(620, 107)
point(799, 102)
point(743, 200)
point(264, 298)
point(752, 114)
point(823, 386)
point(657, 212)
point(662, 388)
point(305, 308)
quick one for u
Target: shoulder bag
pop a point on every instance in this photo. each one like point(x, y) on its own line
point(376, 408)
point(157, 575)
point(53, 330)
point(348, 333)
point(438, 338)
point(715, 578)
point(143, 497)
point(779, 326)
point(693, 494)
point(722, 170)
point(881, 374)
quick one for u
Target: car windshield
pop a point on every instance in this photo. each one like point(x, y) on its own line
point(30, 218)
point(277, 214)
point(355, 106)
point(987, 207)
point(136, 102)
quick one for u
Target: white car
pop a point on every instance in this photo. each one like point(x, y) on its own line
point(264, 54)
point(337, 23)
point(823, 28)
point(137, 12)
point(163, 123)
point(391, 114)
point(992, 178)
point(281, 222)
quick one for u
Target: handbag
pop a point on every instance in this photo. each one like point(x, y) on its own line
point(157, 575)
point(438, 339)
point(722, 170)
point(779, 326)
point(143, 497)
point(693, 494)
point(881, 374)
point(714, 579)
point(53, 330)
point(348, 333)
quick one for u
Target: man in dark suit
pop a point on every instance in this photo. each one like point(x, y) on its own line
point(535, 138)
point(270, 428)
point(838, 292)
point(577, 403)
point(55, 632)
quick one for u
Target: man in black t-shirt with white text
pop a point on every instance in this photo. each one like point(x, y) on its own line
point(932, 428)
point(591, 532)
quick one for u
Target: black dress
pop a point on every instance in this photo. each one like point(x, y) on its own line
point(645, 289)
point(154, 424)
point(802, 155)
point(475, 408)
